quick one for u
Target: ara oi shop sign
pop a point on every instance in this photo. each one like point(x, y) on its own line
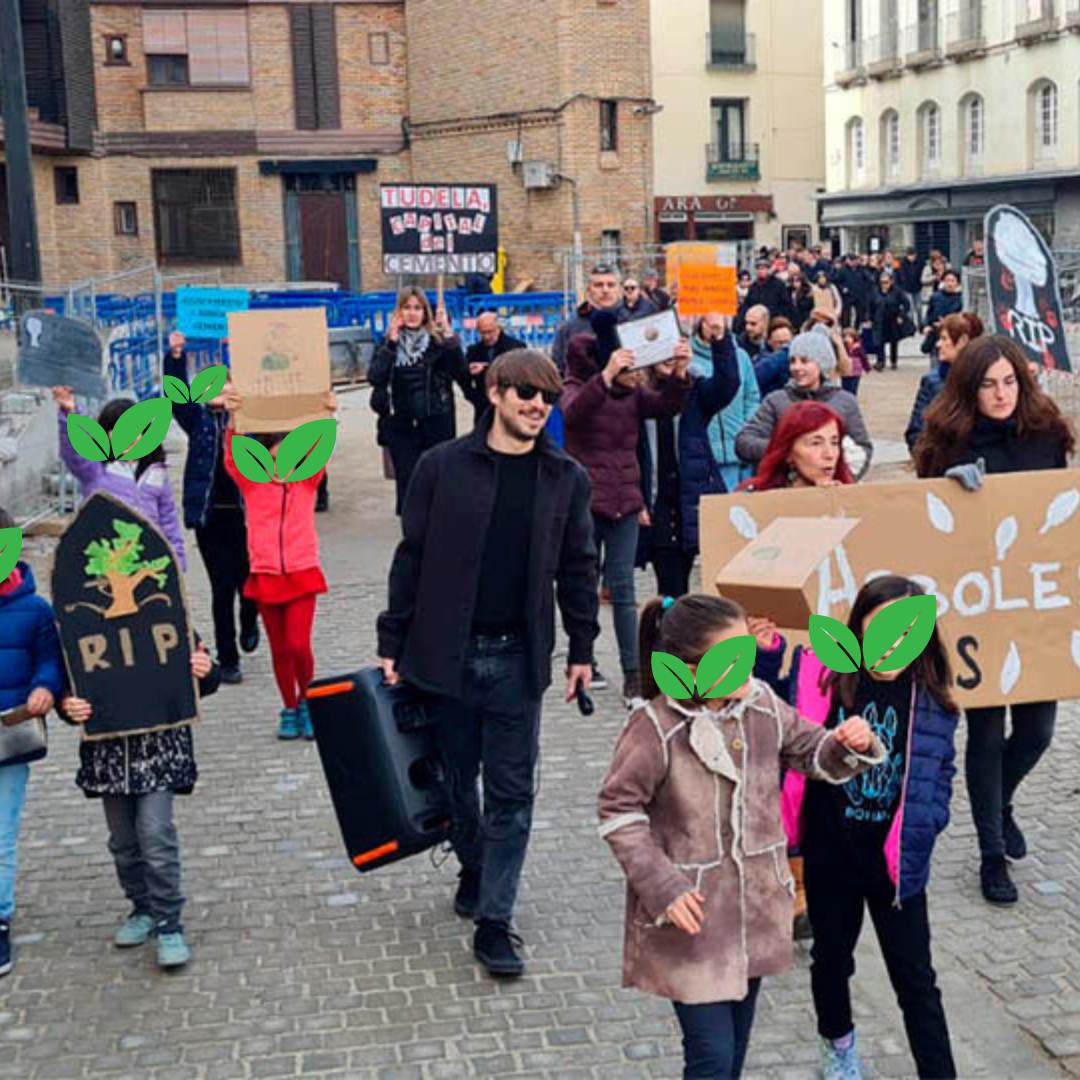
point(1003, 563)
point(439, 228)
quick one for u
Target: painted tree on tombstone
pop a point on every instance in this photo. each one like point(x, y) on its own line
point(117, 567)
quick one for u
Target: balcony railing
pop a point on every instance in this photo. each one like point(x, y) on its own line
point(967, 33)
point(1035, 19)
point(853, 67)
point(732, 162)
point(884, 53)
point(923, 43)
point(731, 48)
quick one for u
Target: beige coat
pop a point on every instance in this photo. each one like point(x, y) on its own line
point(692, 801)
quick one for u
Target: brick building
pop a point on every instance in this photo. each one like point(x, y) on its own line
point(252, 137)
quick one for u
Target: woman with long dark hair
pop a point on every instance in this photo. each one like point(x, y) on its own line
point(806, 450)
point(992, 417)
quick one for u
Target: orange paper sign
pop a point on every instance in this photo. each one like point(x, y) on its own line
point(705, 290)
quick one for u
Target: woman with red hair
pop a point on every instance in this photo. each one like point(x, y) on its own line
point(806, 450)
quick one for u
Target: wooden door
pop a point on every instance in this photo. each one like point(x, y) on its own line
point(324, 237)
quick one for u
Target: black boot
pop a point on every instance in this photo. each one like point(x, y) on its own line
point(1015, 844)
point(997, 886)
point(467, 897)
point(496, 947)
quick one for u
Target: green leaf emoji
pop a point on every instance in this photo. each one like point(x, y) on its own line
point(88, 437)
point(176, 390)
point(253, 459)
point(672, 676)
point(914, 616)
point(314, 440)
point(738, 655)
point(834, 644)
point(208, 383)
point(10, 550)
point(142, 429)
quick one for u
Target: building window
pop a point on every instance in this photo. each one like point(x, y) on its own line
point(729, 127)
point(196, 48)
point(1046, 121)
point(378, 48)
point(609, 125)
point(125, 219)
point(974, 132)
point(890, 142)
point(930, 118)
point(66, 183)
point(116, 50)
point(195, 215)
point(611, 247)
point(856, 152)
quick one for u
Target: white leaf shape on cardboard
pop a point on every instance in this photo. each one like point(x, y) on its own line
point(1076, 647)
point(743, 523)
point(1006, 535)
point(1011, 669)
point(940, 515)
point(1060, 510)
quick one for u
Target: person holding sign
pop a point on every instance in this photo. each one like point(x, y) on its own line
point(136, 777)
point(412, 375)
point(693, 776)
point(992, 417)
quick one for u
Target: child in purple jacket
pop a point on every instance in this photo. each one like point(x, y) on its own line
point(144, 484)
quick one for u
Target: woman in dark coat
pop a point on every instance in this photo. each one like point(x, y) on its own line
point(891, 311)
point(412, 376)
point(991, 417)
point(947, 300)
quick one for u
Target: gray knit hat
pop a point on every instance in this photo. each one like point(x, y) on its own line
point(815, 347)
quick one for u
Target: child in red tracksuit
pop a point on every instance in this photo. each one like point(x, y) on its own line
point(286, 577)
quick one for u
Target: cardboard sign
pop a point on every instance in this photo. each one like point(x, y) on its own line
point(204, 313)
point(705, 290)
point(58, 351)
point(280, 362)
point(1025, 299)
point(439, 228)
point(121, 609)
point(1004, 564)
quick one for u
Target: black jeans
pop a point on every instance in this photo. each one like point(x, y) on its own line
point(995, 765)
point(716, 1036)
point(673, 567)
point(835, 903)
point(408, 439)
point(893, 347)
point(223, 545)
point(495, 725)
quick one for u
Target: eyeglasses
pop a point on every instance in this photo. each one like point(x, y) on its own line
point(527, 392)
point(629, 288)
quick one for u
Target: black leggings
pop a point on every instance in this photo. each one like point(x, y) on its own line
point(223, 545)
point(995, 765)
point(716, 1036)
point(673, 567)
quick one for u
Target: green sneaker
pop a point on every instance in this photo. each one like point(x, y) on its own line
point(305, 721)
point(172, 950)
point(135, 931)
point(290, 724)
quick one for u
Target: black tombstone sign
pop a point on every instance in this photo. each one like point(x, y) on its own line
point(1025, 300)
point(57, 351)
point(440, 228)
point(121, 607)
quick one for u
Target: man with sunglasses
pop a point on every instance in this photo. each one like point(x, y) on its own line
point(497, 527)
point(601, 294)
point(635, 304)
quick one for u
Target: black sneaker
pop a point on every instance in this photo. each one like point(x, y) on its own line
point(249, 639)
point(231, 675)
point(6, 962)
point(1015, 844)
point(997, 886)
point(496, 947)
point(598, 680)
point(631, 686)
point(467, 897)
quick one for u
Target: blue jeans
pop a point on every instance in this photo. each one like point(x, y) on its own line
point(850, 383)
point(716, 1036)
point(616, 545)
point(495, 725)
point(13, 780)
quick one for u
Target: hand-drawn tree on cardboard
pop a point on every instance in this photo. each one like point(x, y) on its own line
point(118, 570)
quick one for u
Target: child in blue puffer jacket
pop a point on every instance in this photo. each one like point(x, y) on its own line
point(30, 675)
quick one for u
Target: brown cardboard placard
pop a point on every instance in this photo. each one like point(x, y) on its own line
point(772, 575)
point(280, 363)
point(1004, 564)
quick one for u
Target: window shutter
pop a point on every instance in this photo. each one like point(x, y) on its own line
point(232, 47)
point(324, 50)
point(303, 67)
point(164, 33)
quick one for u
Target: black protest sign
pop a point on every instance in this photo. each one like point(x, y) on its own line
point(57, 351)
point(439, 228)
point(120, 604)
point(1025, 300)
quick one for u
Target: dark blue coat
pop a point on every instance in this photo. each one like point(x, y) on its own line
point(930, 385)
point(29, 645)
point(942, 305)
point(773, 370)
point(928, 776)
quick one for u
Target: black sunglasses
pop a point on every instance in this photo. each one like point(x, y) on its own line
point(527, 392)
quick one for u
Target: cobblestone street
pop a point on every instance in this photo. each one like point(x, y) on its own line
point(302, 966)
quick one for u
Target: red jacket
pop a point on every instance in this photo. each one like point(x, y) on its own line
point(602, 427)
point(280, 520)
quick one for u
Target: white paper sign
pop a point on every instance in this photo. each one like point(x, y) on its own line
point(653, 338)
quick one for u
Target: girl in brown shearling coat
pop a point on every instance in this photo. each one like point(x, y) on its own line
point(691, 809)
